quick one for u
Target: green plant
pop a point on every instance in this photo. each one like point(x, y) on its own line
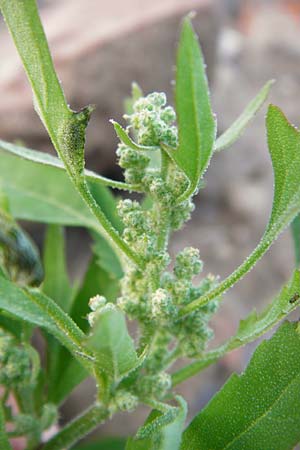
point(129, 278)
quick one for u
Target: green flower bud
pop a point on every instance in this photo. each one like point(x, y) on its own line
point(188, 263)
point(126, 401)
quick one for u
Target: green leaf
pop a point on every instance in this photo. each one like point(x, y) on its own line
point(126, 139)
point(114, 351)
point(284, 147)
point(42, 193)
point(57, 286)
point(56, 282)
point(236, 129)
point(34, 307)
point(250, 329)
point(196, 123)
point(259, 409)
point(45, 194)
point(105, 444)
point(46, 159)
point(162, 431)
point(295, 228)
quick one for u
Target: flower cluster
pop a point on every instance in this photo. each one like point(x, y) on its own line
point(153, 121)
point(15, 362)
point(154, 296)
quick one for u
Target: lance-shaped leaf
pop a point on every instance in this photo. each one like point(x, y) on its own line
point(46, 159)
point(284, 148)
point(259, 409)
point(236, 129)
point(196, 122)
point(111, 343)
point(34, 307)
point(250, 329)
point(44, 193)
point(162, 431)
point(126, 139)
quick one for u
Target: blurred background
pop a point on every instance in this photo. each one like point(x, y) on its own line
point(99, 48)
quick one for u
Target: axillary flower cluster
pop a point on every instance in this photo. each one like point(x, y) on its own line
point(153, 296)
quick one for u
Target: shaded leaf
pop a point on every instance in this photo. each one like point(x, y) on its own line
point(20, 256)
point(34, 307)
point(4, 442)
point(56, 283)
point(236, 129)
point(259, 409)
point(196, 123)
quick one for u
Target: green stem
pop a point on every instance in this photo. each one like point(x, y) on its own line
point(112, 233)
point(197, 366)
point(4, 442)
point(245, 267)
point(78, 428)
point(164, 225)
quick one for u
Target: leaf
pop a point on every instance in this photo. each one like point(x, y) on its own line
point(236, 129)
point(126, 139)
point(45, 194)
point(56, 283)
point(57, 286)
point(259, 409)
point(105, 444)
point(284, 147)
point(162, 431)
point(250, 329)
point(106, 257)
point(34, 307)
point(196, 123)
point(114, 351)
point(47, 159)
point(295, 228)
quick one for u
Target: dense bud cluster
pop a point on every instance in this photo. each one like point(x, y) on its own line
point(153, 121)
point(15, 362)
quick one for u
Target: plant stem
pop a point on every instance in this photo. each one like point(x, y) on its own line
point(164, 225)
point(244, 268)
point(114, 236)
point(197, 366)
point(4, 442)
point(295, 228)
point(78, 428)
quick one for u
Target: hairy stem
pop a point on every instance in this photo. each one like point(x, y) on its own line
point(244, 268)
point(78, 428)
